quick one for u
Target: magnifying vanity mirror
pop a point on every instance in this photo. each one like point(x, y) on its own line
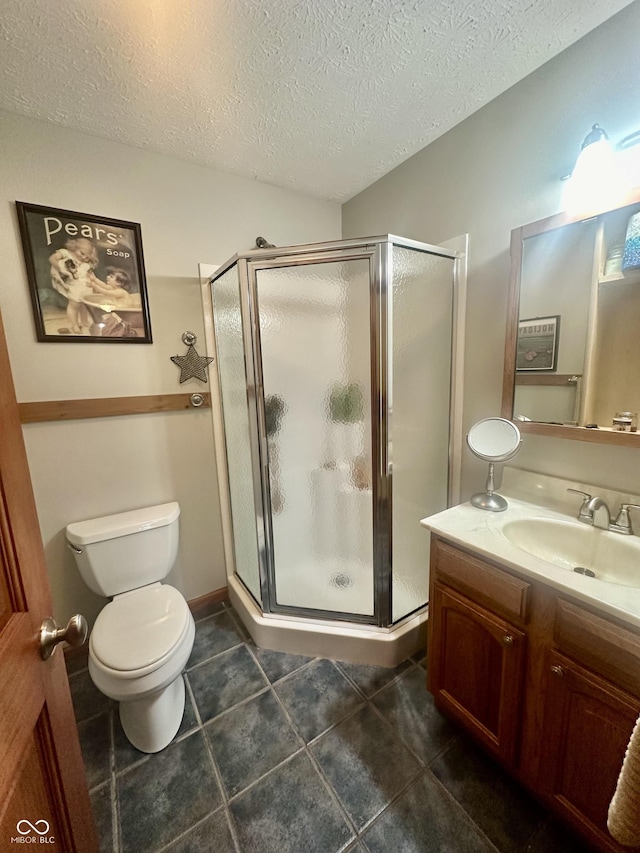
point(494, 440)
point(572, 351)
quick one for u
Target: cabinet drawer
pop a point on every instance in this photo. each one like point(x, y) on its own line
point(499, 591)
point(606, 648)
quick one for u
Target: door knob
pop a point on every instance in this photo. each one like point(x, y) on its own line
point(50, 635)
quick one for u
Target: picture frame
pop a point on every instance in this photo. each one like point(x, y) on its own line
point(537, 346)
point(86, 276)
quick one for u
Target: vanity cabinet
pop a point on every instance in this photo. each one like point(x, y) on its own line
point(587, 725)
point(548, 686)
point(478, 665)
point(477, 656)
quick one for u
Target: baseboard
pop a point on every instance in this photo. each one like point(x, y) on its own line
point(198, 606)
point(75, 658)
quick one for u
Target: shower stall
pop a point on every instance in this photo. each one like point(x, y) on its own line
point(334, 413)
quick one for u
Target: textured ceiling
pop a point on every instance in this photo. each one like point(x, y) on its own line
point(321, 96)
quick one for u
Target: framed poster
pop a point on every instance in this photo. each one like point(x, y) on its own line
point(86, 276)
point(538, 343)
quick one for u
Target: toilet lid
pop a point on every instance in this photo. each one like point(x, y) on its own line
point(139, 628)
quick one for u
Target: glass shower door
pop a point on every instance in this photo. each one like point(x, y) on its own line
point(314, 330)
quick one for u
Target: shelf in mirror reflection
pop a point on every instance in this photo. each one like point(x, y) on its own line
point(602, 435)
point(631, 277)
point(547, 379)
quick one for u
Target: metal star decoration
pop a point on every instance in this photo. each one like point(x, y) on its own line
point(192, 365)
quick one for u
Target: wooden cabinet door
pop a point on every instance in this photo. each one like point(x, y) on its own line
point(586, 729)
point(476, 667)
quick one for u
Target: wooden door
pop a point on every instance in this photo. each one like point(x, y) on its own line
point(43, 790)
point(476, 667)
point(587, 726)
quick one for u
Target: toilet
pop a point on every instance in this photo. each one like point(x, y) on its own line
point(142, 639)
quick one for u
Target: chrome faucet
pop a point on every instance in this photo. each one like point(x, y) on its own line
point(595, 504)
point(592, 503)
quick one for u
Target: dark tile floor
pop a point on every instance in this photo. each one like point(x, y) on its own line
point(286, 754)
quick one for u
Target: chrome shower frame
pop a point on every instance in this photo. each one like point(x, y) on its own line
point(378, 252)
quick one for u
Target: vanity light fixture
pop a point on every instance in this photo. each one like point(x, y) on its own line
point(596, 182)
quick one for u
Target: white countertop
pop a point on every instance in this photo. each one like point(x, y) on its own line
point(481, 531)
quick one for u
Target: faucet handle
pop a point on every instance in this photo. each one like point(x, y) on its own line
point(622, 524)
point(585, 514)
point(585, 495)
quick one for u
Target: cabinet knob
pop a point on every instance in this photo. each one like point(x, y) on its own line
point(557, 671)
point(507, 640)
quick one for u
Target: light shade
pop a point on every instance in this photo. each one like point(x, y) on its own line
point(596, 182)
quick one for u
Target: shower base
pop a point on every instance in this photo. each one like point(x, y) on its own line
point(364, 644)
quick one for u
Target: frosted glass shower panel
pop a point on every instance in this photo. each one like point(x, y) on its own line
point(419, 399)
point(316, 363)
point(227, 318)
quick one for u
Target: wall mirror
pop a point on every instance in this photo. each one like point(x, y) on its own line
point(572, 353)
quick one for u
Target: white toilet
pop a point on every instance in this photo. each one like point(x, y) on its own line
point(142, 639)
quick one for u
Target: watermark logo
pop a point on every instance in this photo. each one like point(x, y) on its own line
point(33, 833)
point(24, 827)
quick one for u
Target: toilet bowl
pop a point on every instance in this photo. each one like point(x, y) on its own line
point(142, 639)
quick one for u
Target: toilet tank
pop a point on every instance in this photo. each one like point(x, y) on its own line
point(118, 553)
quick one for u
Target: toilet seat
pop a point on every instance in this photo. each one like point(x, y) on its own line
point(138, 631)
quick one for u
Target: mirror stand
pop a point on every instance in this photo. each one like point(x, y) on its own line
point(488, 499)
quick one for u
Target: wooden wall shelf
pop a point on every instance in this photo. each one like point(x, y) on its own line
point(106, 407)
point(562, 379)
point(603, 435)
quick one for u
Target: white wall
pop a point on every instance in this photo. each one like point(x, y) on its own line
point(188, 214)
point(495, 171)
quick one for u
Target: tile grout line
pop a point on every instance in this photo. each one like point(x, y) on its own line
point(394, 680)
point(421, 770)
point(203, 663)
point(304, 748)
point(117, 829)
point(214, 765)
point(318, 770)
point(253, 784)
point(92, 717)
point(250, 648)
point(334, 796)
point(184, 834)
point(239, 624)
point(392, 801)
point(467, 817)
point(407, 745)
point(346, 715)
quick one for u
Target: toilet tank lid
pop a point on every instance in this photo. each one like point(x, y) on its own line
point(122, 524)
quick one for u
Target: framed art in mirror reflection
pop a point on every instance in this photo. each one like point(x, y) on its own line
point(537, 345)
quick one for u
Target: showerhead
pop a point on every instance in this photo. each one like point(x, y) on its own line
point(261, 243)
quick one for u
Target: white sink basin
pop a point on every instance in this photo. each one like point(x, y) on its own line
point(611, 557)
